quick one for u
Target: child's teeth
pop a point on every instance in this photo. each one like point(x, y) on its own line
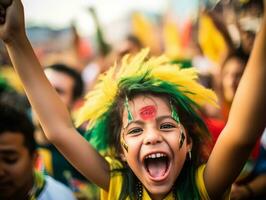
point(155, 155)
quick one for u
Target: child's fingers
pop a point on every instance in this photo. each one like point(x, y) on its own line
point(3, 6)
point(264, 7)
point(5, 3)
point(2, 14)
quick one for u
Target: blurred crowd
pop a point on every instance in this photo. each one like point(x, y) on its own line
point(217, 42)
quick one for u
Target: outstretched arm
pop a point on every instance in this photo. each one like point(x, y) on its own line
point(52, 113)
point(247, 120)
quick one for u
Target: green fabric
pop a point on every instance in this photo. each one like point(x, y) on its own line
point(65, 173)
point(39, 183)
point(4, 86)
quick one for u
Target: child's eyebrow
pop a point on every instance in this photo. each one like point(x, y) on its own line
point(139, 122)
point(160, 118)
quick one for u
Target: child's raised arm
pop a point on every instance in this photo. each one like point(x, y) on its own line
point(247, 120)
point(52, 113)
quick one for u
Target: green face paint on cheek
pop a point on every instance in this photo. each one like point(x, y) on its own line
point(124, 145)
point(182, 138)
point(175, 116)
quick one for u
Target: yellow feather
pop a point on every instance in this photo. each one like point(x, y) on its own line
point(99, 100)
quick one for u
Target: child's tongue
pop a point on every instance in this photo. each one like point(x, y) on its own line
point(156, 167)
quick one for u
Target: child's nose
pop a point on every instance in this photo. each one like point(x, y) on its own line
point(152, 137)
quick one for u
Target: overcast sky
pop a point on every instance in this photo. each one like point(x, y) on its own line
point(59, 13)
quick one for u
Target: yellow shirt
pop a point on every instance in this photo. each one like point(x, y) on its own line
point(116, 185)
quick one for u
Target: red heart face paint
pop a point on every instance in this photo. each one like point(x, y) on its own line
point(148, 112)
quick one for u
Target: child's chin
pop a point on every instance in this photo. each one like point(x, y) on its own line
point(159, 191)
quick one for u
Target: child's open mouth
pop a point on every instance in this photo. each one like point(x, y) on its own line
point(157, 165)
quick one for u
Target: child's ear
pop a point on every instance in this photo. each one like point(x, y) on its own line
point(189, 142)
point(188, 139)
point(123, 157)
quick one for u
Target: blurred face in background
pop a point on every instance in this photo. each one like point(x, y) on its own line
point(131, 45)
point(63, 84)
point(16, 167)
point(247, 40)
point(231, 75)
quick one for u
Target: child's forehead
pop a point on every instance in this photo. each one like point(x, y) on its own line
point(141, 101)
point(147, 107)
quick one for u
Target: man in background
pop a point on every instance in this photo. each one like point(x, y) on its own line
point(69, 86)
point(18, 178)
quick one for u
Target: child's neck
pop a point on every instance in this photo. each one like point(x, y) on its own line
point(142, 192)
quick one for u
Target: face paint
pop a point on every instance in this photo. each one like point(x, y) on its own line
point(176, 118)
point(174, 113)
point(129, 114)
point(182, 138)
point(124, 145)
point(148, 112)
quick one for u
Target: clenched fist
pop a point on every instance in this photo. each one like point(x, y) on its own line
point(12, 25)
point(3, 6)
point(5, 3)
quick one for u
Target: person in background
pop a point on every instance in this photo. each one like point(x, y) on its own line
point(67, 82)
point(247, 21)
point(232, 70)
point(69, 86)
point(130, 45)
point(18, 178)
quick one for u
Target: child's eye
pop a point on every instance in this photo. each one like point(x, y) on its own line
point(134, 131)
point(167, 126)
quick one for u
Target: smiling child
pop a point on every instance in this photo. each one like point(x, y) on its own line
point(147, 138)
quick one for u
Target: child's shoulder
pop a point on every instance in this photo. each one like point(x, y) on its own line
point(201, 185)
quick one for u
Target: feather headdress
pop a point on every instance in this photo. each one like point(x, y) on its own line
point(139, 74)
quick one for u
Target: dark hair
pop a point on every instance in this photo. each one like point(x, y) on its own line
point(78, 87)
point(133, 39)
point(235, 55)
point(15, 99)
point(16, 121)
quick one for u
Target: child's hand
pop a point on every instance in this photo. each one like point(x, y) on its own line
point(5, 3)
point(12, 24)
point(264, 10)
